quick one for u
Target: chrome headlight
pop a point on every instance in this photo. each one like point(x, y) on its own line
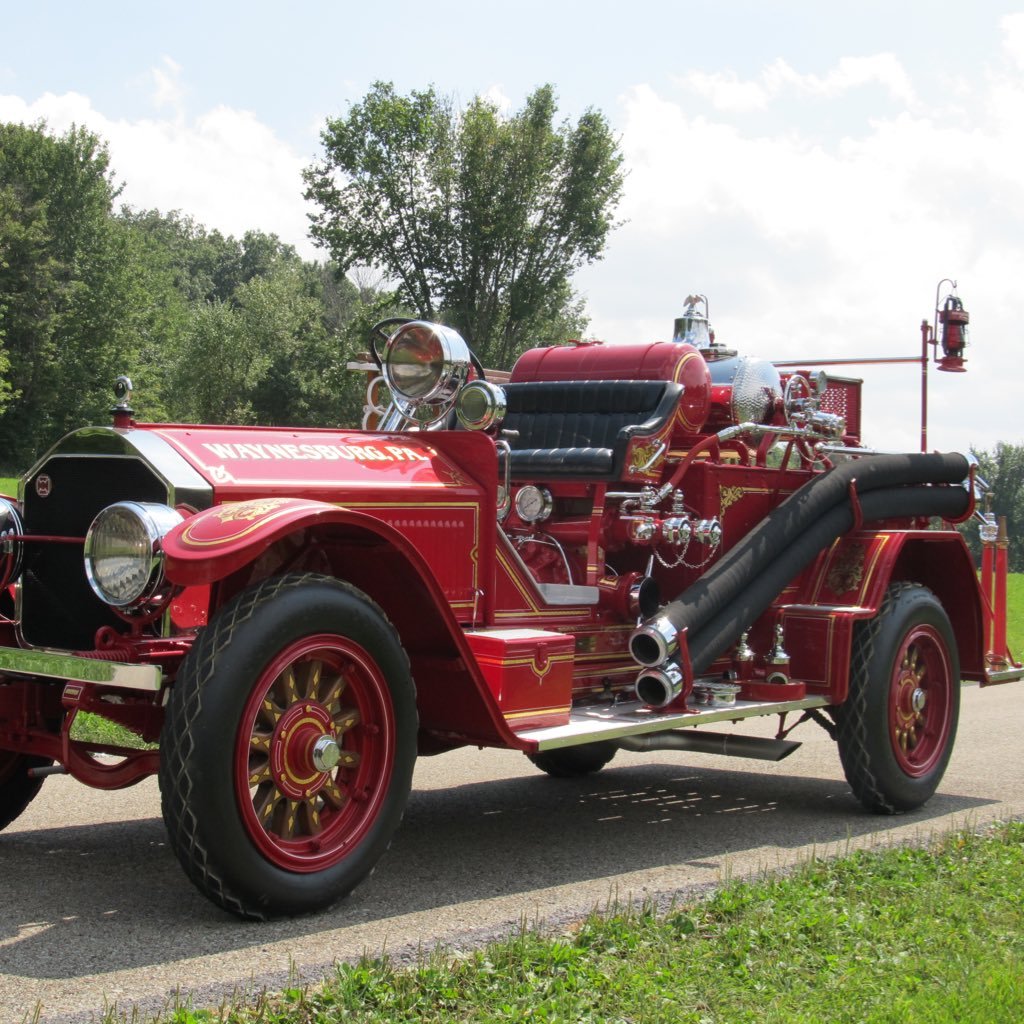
point(480, 405)
point(123, 556)
point(11, 549)
point(426, 363)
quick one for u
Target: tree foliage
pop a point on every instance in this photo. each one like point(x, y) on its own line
point(209, 327)
point(481, 219)
point(61, 275)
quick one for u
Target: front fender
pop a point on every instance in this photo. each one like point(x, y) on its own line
point(455, 703)
point(218, 541)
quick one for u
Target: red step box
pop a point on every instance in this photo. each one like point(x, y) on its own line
point(529, 672)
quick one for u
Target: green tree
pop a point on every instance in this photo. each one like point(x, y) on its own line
point(207, 265)
point(270, 355)
point(73, 287)
point(480, 219)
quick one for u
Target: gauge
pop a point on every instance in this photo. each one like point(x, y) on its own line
point(533, 504)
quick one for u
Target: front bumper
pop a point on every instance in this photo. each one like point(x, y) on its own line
point(74, 668)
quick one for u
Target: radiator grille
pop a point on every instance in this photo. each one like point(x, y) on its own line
point(58, 608)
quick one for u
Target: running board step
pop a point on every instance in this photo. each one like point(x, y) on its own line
point(631, 719)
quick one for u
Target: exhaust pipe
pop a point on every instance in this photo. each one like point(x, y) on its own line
point(659, 686)
point(711, 743)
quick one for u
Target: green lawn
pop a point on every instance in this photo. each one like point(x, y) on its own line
point(1015, 615)
point(905, 936)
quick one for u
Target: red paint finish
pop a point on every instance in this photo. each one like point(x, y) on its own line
point(659, 360)
point(529, 671)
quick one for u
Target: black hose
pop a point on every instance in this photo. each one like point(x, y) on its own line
point(720, 585)
point(718, 634)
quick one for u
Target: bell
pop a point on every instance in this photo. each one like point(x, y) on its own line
point(692, 328)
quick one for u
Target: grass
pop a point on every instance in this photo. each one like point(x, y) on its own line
point(929, 936)
point(90, 728)
point(1015, 614)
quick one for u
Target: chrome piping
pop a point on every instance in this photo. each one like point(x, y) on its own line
point(654, 642)
point(658, 687)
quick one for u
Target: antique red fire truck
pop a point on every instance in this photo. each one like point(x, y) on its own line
point(632, 546)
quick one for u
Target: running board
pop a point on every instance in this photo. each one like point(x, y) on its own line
point(632, 718)
point(1007, 675)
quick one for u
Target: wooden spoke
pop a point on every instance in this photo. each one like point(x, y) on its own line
point(332, 795)
point(345, 720)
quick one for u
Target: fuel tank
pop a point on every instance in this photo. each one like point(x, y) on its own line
point(598, 360)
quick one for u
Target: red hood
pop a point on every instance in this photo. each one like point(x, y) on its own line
point(245, 460)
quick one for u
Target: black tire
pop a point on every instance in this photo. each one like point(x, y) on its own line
point(17, 787)
point(288, 748)
point(897, 727)
point(572, 762)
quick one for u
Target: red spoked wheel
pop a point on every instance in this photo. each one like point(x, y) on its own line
point(314, 752)
point(288, 747)
point(897, 727)
point(920, 701)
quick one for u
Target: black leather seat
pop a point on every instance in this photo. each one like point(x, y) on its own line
point(581, 429)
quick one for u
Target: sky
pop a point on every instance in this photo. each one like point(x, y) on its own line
point(814, 168)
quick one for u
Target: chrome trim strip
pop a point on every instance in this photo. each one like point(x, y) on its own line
point(633, 719)
point(568, 593)
point(185, 484)
point(71, 667)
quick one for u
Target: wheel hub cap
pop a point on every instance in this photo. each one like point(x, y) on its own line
point(326, 754)
point(304, 751)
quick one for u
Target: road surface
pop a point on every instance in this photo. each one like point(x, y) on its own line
point(95, 910)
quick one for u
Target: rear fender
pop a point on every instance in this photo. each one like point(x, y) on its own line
point(943, 563)
point(851, 580)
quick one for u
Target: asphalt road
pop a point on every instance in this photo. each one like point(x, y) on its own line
point(94, 909)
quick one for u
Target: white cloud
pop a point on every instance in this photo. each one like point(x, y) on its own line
point(496, 94)
point(849, 73)
point(831, 248)
point(726, 92)
point(224, 168)
point(168, 90)
point(1013, 42)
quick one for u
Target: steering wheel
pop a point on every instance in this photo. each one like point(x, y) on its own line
point(383, 329)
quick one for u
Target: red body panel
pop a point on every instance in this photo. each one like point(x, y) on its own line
point(529, 671)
